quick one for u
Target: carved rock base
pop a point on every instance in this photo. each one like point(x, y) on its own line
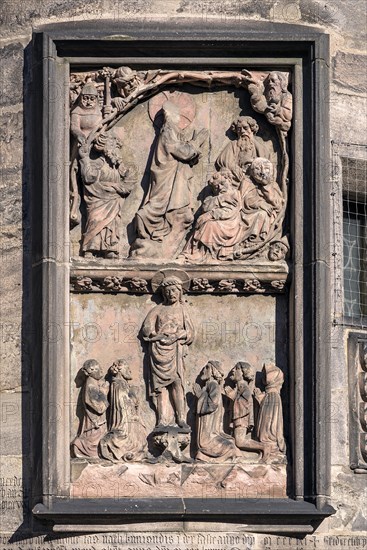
point(196, 480)
point(172, 441)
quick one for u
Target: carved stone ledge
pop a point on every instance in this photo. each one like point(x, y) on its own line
point(250, 278)
point(284, 516)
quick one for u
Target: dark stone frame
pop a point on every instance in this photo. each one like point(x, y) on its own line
point(53, 49)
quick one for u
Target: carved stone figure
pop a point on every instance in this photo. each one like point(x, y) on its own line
point(86, 115)
point(169, 330)
point(243, 421)
point(239, 154)
point(162, 221)
point(213, 444)
point(219, 227)
point(95, 404)
point(262, 200)
point(272, 98)
point(126, 80)
point(107, 181)
point(262, 207)
point(126, 438)
point(278, 250)
point(270, 419)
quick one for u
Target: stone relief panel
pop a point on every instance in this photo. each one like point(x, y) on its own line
point(186, 167)
point(165, 408)
point(180, 256)
point(357, 351)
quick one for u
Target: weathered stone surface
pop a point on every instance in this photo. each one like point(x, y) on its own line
point(344, 18)
point(349, 493)
point(14, 494)
point(14, 430)
point(11, 136)
point(174, 480)
point(226, 8)
point(345, 128)
point(11, 59)
point(17, 14)
point(356, 79)
point(11, 306)
point(11, 193)
point(338, 425)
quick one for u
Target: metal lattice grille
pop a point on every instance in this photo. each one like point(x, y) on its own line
point(354, 178)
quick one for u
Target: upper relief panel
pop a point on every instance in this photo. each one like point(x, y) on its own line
point(179, 167)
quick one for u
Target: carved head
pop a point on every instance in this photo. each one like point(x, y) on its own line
point(273, 377)
point(120, 367)
point(245, 126)
point(275, 84)
point(110, 146)
point(171, 290)
point(171, 112)
point(221, 181)
point(242, 371)
point(213, 369)
point(125, 74)
point(278, 250)
point(89, 96)
point(92, 368)
point(262, 171)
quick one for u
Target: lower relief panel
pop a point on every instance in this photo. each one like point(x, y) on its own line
point(179, 399)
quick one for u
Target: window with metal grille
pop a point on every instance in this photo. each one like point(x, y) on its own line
point(354, 176)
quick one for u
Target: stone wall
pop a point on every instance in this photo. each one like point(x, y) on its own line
point(345, 21)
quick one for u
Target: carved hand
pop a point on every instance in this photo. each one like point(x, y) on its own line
point(83, 150)
point(119, 103)
point(230, 392)
point(200, 137)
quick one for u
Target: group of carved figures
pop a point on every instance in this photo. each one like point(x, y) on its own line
point(244, 211)
point(121, 435)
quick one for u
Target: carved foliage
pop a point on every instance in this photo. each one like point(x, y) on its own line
point(198, 285)
point(362, 409)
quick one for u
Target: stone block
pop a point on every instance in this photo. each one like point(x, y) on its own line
point(11, 306)
point(345, 128)
point(14, 417)
point(17, 14)
point(338, 425)
point(11, 138)
point(11, 193)
point(11, 62)
point(225, 9)
point(14, 494)
point(354, 80)
point(349, 495)
point(347, 18)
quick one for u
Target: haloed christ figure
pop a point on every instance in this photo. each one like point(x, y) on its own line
point(169, 330)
